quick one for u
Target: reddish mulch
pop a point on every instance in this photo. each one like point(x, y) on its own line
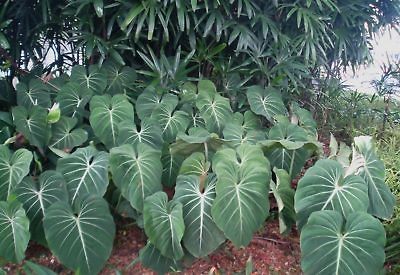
point(269, 251)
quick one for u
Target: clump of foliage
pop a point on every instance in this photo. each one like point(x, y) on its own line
point(83, 143)
point(280, 42)
point(114, 135)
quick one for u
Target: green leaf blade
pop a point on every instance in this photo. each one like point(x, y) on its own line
point(266, 102)
point(136, 171)
point(202, 236)
point(324, 187)
point(164, 224)
point(14, 231)
point(85, 172)
point(82, 236)
point(241, 204)
point(13, 168)
point(330, 245)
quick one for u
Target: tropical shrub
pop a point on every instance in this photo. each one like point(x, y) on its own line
point(80, 140)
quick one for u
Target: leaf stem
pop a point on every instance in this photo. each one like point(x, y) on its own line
point(206, 150)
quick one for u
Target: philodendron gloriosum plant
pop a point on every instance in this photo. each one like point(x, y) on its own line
point(106, 145)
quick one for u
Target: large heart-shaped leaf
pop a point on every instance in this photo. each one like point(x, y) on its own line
point(304, 118)
point(288, 147)
point(249, 121)
point(284, 196)
point(73, 98)
point(266, 102)
point(94, 78)
point(32, 124)
point(38, 196)
point(381, 200)
point(171, 121)
point(106, 114)
point(81, 237)
point(136, 171)
point(329, 245)
point(340, 153)
point(65, 135)
point(13, 168)
point(36, 93)
point(149, 100)
point(14, 231)
point(198, 139)
point(86, 172)
point(196, 164)
point(214, 108)
point(151, 257)
point(119, 78)
point(148, 133)
point(202, 236)
point(236, 135)
point(164, 225)
point(324, 187)
point(196, 120)
point(171, 164)
point(189, 92)
point(241, 204)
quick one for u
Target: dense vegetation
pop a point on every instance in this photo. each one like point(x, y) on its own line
point(185, 116)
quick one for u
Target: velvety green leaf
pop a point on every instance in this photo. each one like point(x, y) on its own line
point(330, 245)
point(38, 196)
point(94, 79)
point(151, 257)
point(123, 207)
point(171, 164)
point(86, 172)
point(32, 124)
point(31, 268)
point(148, 133)
point(14, 231)
point(195, 164)
point(288, 147)
point(305, 119)
point(325, 187)
point(149, 100)
point(236, 135)
point(105, 115)
point(214, 108)
point(13, 168)
point(171, 121)
point(381, 200)
point(164, 225)
point(195, 141)
point(189, 93)
point(119, 78)
point(266, 102)
point(202, 236)
point(340, 153)
point(241, 205)
point(36, 93)
point(73, 99)
point(81, 237)
point(284, 196)
point(249, 121)
point(136, 171)
point(65, 135)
